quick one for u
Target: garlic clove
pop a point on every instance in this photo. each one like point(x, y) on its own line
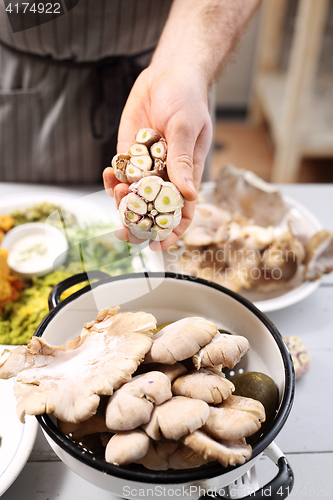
point(120, 161)
point(149, 189)
point(167, 200)
point(159, 150)
point(144, 162)
point(136, 204)
point(138, 149)
point(164, 220)
point(147, 136)
point(133, 174)
point(132, 217)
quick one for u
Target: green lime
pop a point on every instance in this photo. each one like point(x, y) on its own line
point(259, 386)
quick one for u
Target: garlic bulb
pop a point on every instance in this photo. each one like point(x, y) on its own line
point(152, 209)
point(145, 157)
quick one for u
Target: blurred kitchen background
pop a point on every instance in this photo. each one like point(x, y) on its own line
point(274, 100)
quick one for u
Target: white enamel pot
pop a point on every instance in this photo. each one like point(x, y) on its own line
point(170, 297)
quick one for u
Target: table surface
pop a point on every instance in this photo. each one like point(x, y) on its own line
point(307, 437)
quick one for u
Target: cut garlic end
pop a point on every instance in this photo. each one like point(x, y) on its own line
point(137, 149)
point(120, 161)
point(143, 162)
point(133, 174)
point(159, 150)
point(148, 189)
point(132, 217)
point(164, 220)
point(167, 200)
point(147, 136)
point(136, 204)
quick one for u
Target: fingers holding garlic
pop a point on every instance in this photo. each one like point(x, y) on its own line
point(153, 208)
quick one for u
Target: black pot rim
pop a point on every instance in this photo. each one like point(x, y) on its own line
point(187, 476)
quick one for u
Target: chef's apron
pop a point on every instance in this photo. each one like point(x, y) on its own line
point(64, 82)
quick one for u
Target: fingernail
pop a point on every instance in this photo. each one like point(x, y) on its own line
point(190, 185)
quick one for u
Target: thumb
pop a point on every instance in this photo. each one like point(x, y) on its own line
point(180, 163)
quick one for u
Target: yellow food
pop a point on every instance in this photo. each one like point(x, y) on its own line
point(10, 286)
point(6, 223)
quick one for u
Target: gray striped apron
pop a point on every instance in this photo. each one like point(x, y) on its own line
point(63, 85)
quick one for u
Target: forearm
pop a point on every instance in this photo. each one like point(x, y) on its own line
point(199, 34)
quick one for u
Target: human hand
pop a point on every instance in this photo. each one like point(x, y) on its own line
point(174, 102)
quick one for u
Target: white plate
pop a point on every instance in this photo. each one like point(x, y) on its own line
point(303, 290)
point(92, 208)
point(17, 439)
point(281, 298)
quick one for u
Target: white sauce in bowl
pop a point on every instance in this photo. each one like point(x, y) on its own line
point(34, 252)
point(33, 248)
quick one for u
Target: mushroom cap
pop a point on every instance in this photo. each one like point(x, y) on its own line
point(319, 255)
point(127, 447)
point(180, 340)
point(226, 452)
point(176, 418)
point(223, 349)
point(91, 426)
point(248, 405)
point(68, 382)
point(171, 371)
point(203, 384)
point(132, 404)
point(166, 455)
point(231, 424)
point(206, 223)
point(243, 192)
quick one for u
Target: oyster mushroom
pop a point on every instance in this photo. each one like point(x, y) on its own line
point(132, 404)
point(155, 206)
point(69, 382)
point(319, 255)
point(205, 385)
point(284, 255)
point(180, 340)
point(207, 221)
point(228, 422)
point(171, 455)
point(127, 447)
point(226, 452)
point(94, 424)
point(248, 405)
point(223, 349)
point(171, 371)
point(176, 418)
point(243, 192)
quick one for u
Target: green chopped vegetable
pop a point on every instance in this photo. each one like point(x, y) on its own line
point(91, 247)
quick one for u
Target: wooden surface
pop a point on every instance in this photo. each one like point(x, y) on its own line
point(306, 438)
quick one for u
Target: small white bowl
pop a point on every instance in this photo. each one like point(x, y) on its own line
point(34, 248)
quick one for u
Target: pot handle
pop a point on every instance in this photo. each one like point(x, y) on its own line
point(57, 290)
point(280, 486)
